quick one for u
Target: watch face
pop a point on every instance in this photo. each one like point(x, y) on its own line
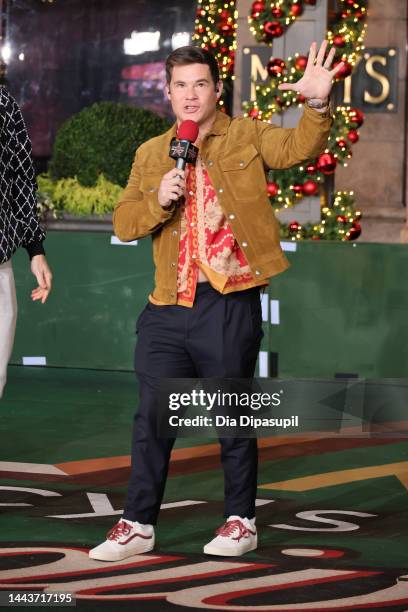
point(317, 103)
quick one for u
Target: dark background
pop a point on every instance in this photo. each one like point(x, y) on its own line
point(74, 56)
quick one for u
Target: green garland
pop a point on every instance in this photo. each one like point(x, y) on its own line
point(338, 222)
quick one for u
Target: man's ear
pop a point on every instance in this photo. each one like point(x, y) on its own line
point(218, 89)
point(168, 92)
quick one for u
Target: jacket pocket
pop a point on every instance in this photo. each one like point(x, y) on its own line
point(150, 183)
point(244, 173)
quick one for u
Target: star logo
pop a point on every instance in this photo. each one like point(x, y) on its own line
point(177, 150)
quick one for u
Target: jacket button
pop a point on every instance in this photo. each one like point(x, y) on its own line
point(174, 232)
point(220, 190)
point(231, 216)
point(173, 264)
point(151, 189)
point(244, 244)
point(241, 164)
point(210, 163)
point(172, 294)
point(257, 272)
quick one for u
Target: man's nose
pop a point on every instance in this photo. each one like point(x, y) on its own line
point(191, 94)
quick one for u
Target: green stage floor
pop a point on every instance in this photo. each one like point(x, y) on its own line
point(332, 514)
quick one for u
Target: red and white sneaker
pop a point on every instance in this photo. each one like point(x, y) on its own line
point(125, 539)
point(234, 538)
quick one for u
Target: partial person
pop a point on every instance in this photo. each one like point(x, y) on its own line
point(19, 223)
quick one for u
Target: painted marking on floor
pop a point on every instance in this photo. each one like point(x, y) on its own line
point(329, 479)
point(31, 468)
point(102, 507)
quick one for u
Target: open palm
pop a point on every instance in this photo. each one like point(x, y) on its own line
point(317, 80)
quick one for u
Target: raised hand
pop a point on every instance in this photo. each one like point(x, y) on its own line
point(316, 81)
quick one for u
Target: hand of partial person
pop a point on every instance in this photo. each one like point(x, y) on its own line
point(316, 81)
point(172, 187)
point(42, 273)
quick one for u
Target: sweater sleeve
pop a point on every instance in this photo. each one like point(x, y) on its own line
point(24, 201)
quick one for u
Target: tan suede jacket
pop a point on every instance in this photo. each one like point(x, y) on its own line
point(237, 153)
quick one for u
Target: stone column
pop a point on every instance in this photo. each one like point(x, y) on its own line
point(376, 171)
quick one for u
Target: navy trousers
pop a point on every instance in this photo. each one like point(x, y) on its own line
point(218, 337)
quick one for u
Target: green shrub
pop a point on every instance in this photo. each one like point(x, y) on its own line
point(69, 195)
point(102, 139)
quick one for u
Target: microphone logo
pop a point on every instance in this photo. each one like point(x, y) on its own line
point(183, 150)
point(177, 149)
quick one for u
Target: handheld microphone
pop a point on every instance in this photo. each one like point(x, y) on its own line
point(182, 148)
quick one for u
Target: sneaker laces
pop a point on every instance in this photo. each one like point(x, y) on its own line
point(120, 529)
point(227, 529)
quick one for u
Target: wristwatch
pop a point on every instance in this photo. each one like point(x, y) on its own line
point(317, 103)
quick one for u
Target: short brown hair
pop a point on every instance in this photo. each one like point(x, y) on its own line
point(192, 55)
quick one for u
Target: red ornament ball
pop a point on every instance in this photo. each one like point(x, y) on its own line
point(300, 98)
point(272, 189)
point(297, 188)
point(224, 14)
point(354, 232)
point(276, 67)
point(301, 62)
point(310, 187)
point(360, 15)
point(226, 28)
point(253, 113)
point(353, 136)
point(257, 7)
point(315, 237)
point(296, 10)
point(279, 101)
point(327, 163)
point(310, 2)
point(350, 2)
point(341, 219)
point(356, 116)
point(311, 168)
point(342, 143)
point(293, 226)
point(277, 12)
point(339, 41)
point(272, 29)
point(344, 71)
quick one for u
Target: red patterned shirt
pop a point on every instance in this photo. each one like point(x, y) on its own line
point(207, 242)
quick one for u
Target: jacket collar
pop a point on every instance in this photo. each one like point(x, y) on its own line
point(218, 128)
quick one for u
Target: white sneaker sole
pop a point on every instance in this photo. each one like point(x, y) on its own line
point(118, 555)
point(211, 549)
